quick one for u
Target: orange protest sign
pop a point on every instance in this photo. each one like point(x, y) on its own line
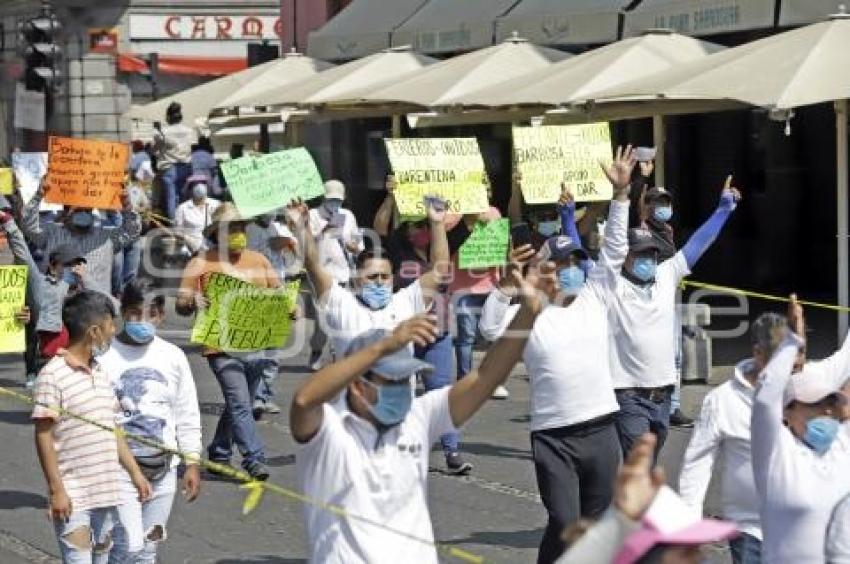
point(85, 173)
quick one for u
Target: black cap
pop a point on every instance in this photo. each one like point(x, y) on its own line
point(641, 239)
point(66, 254)
point(657, 194)
point(559, 249)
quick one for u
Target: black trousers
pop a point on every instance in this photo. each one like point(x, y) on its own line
point(576, 467)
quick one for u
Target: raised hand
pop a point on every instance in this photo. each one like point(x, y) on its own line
point(435, 209)
point(518, 258)
point(567, 199)
point(796, 318)
point(637, 481)
point(297, 215)
point(390, 183)
point(420, 330)
point(646, 168)
point(729, 196)
point(525, 286)
point(619, 172)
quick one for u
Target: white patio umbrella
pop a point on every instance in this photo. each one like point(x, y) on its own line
point(808, 65)
point(198, 101)
point(345, 80)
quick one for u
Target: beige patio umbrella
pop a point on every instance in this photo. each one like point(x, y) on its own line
point(441, 84)
point(198, 101)
point(575, 80)
point(345, 80)
point(808, 65)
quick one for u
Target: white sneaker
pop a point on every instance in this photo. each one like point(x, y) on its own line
point(500, 393)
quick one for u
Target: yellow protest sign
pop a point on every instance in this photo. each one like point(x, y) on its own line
point(549, 155)
point(7, 186)
point(13, 289)
point(449, 168)
point(242, 316)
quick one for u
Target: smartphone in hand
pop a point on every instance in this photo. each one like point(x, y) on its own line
point(645, 154)
point(520, 234)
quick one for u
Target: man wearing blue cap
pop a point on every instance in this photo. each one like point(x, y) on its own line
point(371, 456)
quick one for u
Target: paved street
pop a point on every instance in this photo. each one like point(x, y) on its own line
point(494, 513)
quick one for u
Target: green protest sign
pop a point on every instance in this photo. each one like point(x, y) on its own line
point(549, 155)
point(263, 183)
point(487, 245)
point(242, 316)
point(13, 288)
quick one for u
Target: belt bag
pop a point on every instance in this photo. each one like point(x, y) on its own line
point(154, 466)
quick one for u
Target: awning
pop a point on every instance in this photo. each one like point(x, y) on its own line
point(444, 26)
point(800, 12)
point(362, 28)
point(700, 17)
point(555, 22)
point(173, 64)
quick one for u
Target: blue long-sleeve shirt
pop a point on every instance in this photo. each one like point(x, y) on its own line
point(703, 237)
point(568, 228)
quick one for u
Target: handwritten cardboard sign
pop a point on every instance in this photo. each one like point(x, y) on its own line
point(260, 184)
point(86, 173)
point(487, 245)
point(450, 168)
point(243, 317)
point(7, 186)
point(549, 155)
point(13, 289)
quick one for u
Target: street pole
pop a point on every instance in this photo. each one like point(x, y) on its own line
point(659, 136)
point(841, 206)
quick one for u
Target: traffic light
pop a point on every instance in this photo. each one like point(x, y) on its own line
point(39, 49)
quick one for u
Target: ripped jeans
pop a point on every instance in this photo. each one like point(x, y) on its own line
point(85, 537)
point(142, 526)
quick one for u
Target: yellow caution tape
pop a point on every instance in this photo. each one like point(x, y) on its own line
point(751, 294)
point(254, 488)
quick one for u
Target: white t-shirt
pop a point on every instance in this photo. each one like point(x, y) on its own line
point(838, 535)
point(567, 353)
point(346, 317)
point(798, 489)
point(331, 241)
point(156, 391)
point(191, 219)
point(383, 479)
point(643, 332)
point(285, 263)
point(723, 429)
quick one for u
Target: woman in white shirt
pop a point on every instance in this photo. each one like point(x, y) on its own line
point(195, 214)
point(154, 385)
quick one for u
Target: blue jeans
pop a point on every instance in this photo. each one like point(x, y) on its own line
point(94, 543)
point(238, 379)
point(746, 549)
point(269, 374)
point(173, 179)
point(439, 354)
point(125, 265)
point(467, 314)
point(142, 526)
point(639, 415)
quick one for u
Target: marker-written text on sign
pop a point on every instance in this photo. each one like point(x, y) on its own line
point(13, 286)
point(85, 173)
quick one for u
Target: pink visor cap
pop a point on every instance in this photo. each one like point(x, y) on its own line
point(669, 520)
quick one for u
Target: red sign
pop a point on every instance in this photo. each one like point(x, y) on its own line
point(201, 27)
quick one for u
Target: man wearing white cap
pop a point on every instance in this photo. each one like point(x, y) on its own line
point(801, 450)
point(338, 239)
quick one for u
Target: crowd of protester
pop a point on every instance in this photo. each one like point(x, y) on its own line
point(589, 310)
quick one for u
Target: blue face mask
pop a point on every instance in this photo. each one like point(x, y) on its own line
point(643, 269)
point(82, 219)
point(71, 277)
point(548, 228)
point(332, 206)
point(820, 432)
point(375, 295)
point(571, 279)
point(393, 403)
point(662, 213)
point(140, 332)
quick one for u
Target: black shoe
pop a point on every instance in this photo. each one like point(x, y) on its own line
point(258, 471)
point(678, 419)
point(222, 473)
point(456, 465)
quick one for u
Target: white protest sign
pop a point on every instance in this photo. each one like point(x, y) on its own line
point(29, 169)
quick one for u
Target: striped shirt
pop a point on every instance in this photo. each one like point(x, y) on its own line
point(87, 455)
